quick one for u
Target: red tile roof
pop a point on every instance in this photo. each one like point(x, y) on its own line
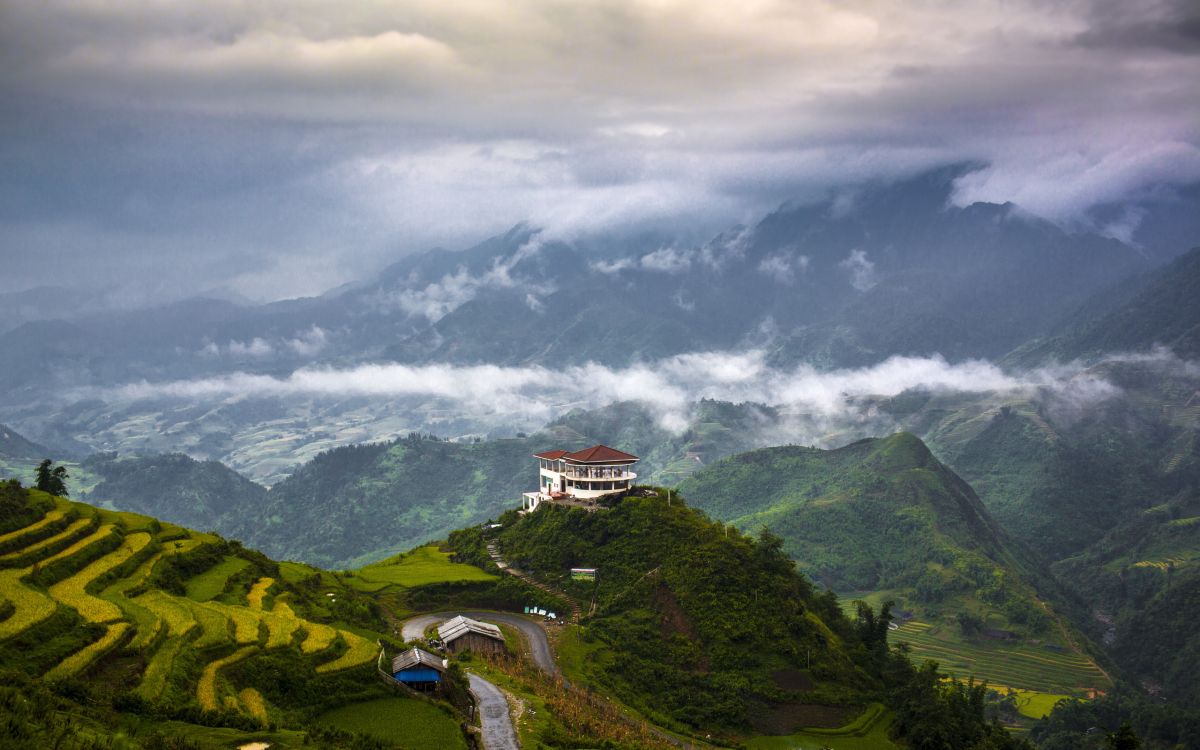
point(600, 454)
point(550, 455)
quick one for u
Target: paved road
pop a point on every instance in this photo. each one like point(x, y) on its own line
point(498, 732)
point(539, 646)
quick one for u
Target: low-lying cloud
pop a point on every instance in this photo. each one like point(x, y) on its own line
point(531, 395)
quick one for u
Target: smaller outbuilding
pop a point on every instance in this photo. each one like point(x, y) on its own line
point(419, 670)
point(462, 634)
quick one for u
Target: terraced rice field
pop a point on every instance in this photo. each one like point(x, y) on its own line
point(170, 632)
point(206, 689)
point(209, 584)
point(72, 591)
point(1018, 666)
point(14, 538)
point(421, 567)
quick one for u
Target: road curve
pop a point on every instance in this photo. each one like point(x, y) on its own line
point(535, 636)
point(498, 732)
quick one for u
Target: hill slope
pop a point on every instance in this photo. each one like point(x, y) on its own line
point(664, 636)
point(883, 519)
point(1161, 309)
point(174, 487)
point(121, 615)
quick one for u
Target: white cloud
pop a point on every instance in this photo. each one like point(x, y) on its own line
point(309, 343)
point(862, 270)
point(439, 298)
point(783, 267)
point(256, 347)
point(534, 393)
point(667, 260)
point(340, 132)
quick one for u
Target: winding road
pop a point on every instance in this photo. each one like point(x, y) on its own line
point(498, 733)
point(539, 646)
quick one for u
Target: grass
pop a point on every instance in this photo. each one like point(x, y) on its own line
point(86, 657)
point(30, 606)
point(254, 703)
point(206, 689)
point(1012, 665)
point(319, 638)
point(875, 738)
point(1036, 705)
point(158, 669)
point(407, 721)
point(72, 591)
point(361, 651)
point(209, 584)
point(245, 621)
point(258, 592)
point(14, 537)
point(77, 528)
point(420, 567)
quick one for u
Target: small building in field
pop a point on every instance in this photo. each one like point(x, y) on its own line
point(418, 669)
point(462, 634)
point(581, 477)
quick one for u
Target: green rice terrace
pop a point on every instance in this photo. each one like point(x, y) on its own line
point(184, 626)
point(1042, 668)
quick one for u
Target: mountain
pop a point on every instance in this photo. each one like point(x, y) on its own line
point(173, 486)
point(1161, 308)
point(13, 445)
point(880, 514)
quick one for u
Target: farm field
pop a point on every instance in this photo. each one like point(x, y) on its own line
point(420, 567)
point(1019, 666)
point(875, 737)
point(103, 571)
point(209, 584)
point(408, 721)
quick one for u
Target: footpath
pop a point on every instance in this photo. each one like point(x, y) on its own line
point(493, 548)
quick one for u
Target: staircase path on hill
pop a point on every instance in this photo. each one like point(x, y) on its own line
point(493, 549)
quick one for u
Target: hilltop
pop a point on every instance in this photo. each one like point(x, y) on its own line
point(882, 519)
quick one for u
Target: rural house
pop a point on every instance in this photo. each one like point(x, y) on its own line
point(419, 670)
point(462, 634)
point(579, 478)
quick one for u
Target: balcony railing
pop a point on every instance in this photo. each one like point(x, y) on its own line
point(582, 472)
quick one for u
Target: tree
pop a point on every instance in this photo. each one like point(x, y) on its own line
point(52, 480)
point(1123, 739)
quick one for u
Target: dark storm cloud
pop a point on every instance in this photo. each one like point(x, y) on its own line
point(279, 148)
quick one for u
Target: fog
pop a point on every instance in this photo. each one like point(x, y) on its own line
point(271, 150)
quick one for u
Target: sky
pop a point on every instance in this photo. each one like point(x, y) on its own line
point(271, 149)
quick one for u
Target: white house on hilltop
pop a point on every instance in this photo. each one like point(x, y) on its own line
point(580, 476)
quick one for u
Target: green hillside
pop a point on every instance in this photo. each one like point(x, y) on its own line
point(884, 519)
point(172, 486)
point(14, 446)
point(116, 624)
point(1162, 309)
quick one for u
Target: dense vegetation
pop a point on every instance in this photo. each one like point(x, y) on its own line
point(173, 487)
point(105, 635)
point(877, 515)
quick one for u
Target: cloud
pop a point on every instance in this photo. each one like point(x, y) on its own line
point(531, 395)
point(862, 270)
point(310, 342)
point(783, 268)
point(439, 298)
point(277, 146)
point(667, 260)
point(256, 347)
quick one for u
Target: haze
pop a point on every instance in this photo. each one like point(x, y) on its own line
point(268, 150)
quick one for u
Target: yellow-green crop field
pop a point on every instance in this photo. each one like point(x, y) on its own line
point(421, 567)
point(1018, 666)
point(102, 565)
